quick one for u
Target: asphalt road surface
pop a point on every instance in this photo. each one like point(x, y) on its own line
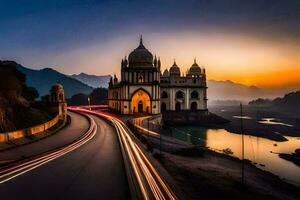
point(70, 133)
point(93, 171)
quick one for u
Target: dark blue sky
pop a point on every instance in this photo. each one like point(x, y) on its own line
point(31, 31)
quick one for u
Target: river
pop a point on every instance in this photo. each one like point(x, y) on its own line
point(262, 152)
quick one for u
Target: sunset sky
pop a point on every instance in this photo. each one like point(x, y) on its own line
point(253, 42)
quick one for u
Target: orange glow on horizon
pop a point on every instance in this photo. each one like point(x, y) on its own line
point(263, 62)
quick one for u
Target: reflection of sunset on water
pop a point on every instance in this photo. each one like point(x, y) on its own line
point(259, 150)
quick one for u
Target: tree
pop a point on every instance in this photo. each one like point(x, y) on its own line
point(30, 93)
point(11, 80)
point(78, 100)
point(45, 98)
point(99, 96)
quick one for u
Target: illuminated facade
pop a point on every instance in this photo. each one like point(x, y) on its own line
point(138, 90)
point(187, 92)
point(143, 89)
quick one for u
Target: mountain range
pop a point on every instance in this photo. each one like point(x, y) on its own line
point(228, 90)
point(291, 100)
point(219, 92)
point(93, 80)
point(43, 79)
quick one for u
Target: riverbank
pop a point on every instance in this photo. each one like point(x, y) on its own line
point(293, 157)
point(251, 126)
point(209, 175)
point(203, 173)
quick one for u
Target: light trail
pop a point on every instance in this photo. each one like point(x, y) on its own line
point(91, 106)
point(11, 172)
point(152, 133)
point(150, 183)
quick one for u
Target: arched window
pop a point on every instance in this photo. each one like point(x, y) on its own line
point(194, 95)
point(179, 95)
point(194, 106)
point(141, 79)
point(164, 95)
point(177, 106)
point(163, 107)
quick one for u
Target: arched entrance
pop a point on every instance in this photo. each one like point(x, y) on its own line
point(140, 102)
point(194, 106)
point(178, 106)
point(163, 107)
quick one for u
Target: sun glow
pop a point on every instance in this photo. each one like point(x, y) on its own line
point(249, 60)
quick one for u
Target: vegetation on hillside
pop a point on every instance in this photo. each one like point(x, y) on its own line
point(97, 96)
point(16, 100)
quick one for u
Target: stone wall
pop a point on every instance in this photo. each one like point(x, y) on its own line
point(8, 136)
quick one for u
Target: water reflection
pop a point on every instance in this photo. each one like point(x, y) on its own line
point(258, 150)
point(242, 117)
point(273, 121)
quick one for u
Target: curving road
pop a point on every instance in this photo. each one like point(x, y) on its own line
point(70, 133)
point(94, 170)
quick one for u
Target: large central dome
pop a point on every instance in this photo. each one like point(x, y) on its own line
point(140, 57)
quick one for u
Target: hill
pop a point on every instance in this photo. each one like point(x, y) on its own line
point(219, 92)
point(43, 79)
point(228, 90)
point(17, 106)
point(290, 100)
point(93, 80)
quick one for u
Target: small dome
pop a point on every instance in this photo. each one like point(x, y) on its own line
point(174, 70)
point(140, 56)
point(166, 73)
point(195, 69)
point(57, 87)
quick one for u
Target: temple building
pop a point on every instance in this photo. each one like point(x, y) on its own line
point(143, 89)
point(183, 92)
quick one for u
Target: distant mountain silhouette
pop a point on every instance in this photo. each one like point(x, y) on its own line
point(43, 79)
point(290, 100)
point(228, 90)
point(219, 92)
point(93, 80)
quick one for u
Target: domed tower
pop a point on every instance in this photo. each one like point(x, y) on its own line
point(57, 93)
point(140, 57)
point(166, 73)
point(195, 70)
point(174, 70)
point(139, 87)
point(57, 100)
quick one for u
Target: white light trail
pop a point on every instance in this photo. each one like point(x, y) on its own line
point(150, 182)
point(12, 172)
